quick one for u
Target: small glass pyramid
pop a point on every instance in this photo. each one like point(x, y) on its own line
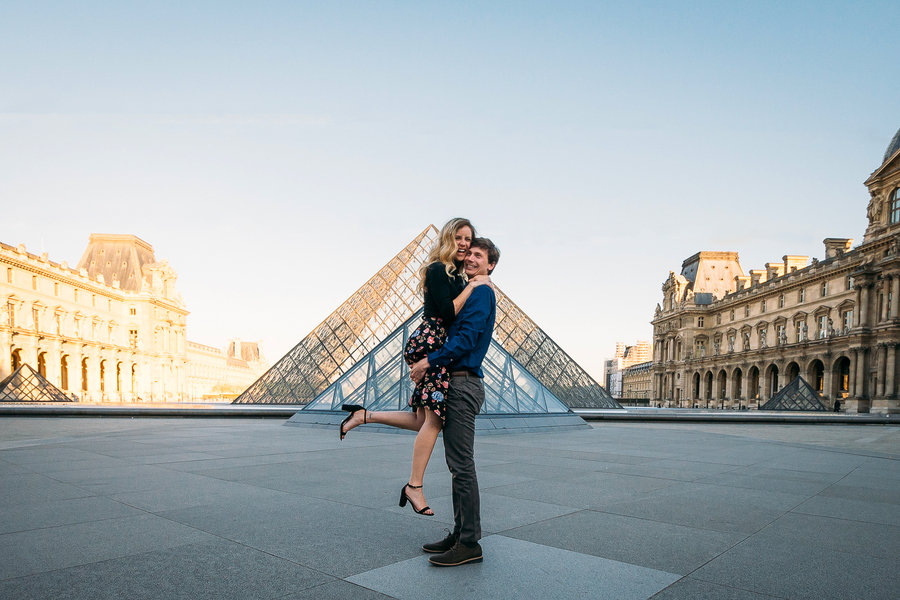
point(385, 304)
point(380, 381)
point(797, 395)
point(27, 385)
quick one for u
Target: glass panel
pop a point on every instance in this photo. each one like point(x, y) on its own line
point(325, 401)
point(354, 379)
point(493, 404)
point(391, 348)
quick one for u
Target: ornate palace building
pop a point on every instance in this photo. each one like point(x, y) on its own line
point(728, 339)
point(637, 383)
point(110, 330)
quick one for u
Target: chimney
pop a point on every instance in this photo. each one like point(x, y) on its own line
point(774, 270)
point(757, 276)
point(835, 247)
point(793, 262)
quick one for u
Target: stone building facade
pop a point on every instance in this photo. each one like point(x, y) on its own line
point(626, 356)
point(637, 383)
point(728, 339)
point(222, 374)
point(112, 329)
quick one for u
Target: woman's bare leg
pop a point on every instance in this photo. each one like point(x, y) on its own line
point(422, 449)
point(395, 418)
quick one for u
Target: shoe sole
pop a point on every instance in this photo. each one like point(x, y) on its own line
point(424, 549)
point(474, 559)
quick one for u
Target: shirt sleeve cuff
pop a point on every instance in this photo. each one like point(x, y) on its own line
point(435, 358)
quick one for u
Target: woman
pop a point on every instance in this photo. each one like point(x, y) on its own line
point(446, 290)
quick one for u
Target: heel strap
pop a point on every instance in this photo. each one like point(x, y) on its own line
point(415, 487)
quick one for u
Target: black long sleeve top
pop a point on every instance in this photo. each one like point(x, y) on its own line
point(440, 290)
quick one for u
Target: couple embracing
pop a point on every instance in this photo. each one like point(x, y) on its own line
point(445, 354)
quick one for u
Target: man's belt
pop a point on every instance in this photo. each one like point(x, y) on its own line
point(463, 373)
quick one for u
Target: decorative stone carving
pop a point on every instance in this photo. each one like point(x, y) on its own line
point(874, 210)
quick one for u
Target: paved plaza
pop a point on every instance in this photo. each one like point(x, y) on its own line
point(241, 508)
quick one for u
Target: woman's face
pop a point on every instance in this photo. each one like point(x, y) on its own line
point(463, 239)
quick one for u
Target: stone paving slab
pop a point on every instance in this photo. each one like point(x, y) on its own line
point(241, 508)
point(652, 544)
point(520, 569)
point(213, 570)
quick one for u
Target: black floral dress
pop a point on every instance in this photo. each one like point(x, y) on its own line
point(430, 335)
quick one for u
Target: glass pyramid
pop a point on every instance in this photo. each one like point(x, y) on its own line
point(380, 381)
point(381, 307)
point(797, 395)
point(27, 385)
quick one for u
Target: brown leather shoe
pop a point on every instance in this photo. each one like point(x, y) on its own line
point(459, 554)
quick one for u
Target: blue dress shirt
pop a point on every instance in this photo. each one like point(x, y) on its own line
point(470, 335)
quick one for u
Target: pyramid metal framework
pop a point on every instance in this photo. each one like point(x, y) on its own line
point(27, 385)
point(380, 307)
point(380, 381)
point(797, 395)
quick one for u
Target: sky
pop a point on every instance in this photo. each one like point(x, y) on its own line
point(277, 154)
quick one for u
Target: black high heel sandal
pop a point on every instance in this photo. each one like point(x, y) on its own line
point(352, 408)
point(404, 499)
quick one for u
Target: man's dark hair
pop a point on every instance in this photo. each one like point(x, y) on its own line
point(493, 252)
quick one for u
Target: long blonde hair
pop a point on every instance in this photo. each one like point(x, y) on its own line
point(445, 249)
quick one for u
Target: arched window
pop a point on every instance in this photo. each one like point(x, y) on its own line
point(84, 374)
point(42, 364)
point(894, 207)
point(16, 359)
point(64, 373)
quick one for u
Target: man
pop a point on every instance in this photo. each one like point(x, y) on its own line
point(467, 342)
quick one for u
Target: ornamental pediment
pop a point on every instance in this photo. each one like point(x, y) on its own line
point(846, 305)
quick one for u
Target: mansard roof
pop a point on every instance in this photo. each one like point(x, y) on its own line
point(118, 258)
point(892, 147)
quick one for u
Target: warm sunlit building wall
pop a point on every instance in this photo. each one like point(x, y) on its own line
point(113, 329)
point(730, 340)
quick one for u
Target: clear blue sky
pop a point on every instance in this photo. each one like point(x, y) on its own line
point(278, 153)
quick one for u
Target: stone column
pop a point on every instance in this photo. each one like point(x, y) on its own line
point(860, 379)
point(857, 314)
point(890, 371)
point(827, 381)
point(53, 367)
point(895, 297)
point(882, 359)
point(5, 356)
point(29, 345)
point(864, 307)
point(885, 291)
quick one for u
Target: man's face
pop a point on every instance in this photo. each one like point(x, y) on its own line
point(477, 262)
